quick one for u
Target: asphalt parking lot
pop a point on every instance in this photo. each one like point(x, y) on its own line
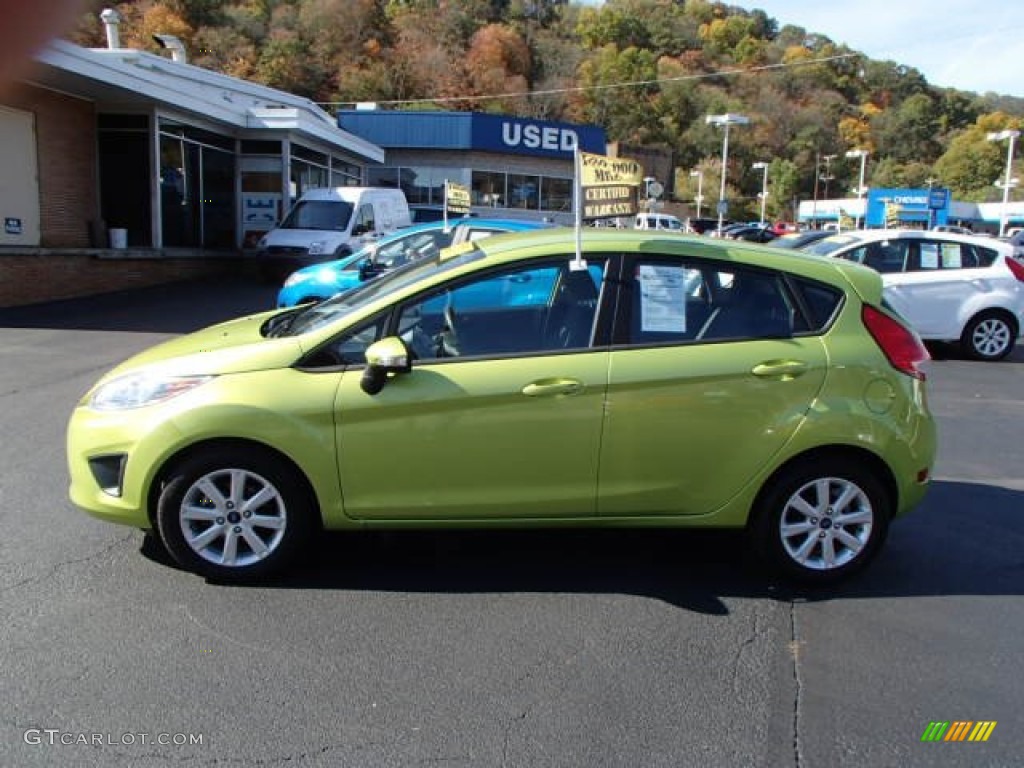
point(634, 648)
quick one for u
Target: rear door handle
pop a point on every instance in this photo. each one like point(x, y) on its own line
point(553, 387)
point(780, 369)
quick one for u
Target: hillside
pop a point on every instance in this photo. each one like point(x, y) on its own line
point(648, 71)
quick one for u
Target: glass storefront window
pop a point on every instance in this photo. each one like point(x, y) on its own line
point(261, 197)
point(423, 184)
point(523, 191)
point(304, 176)
point(344, 174)
point(556, 194)
point(382, 177)
point(488, 188)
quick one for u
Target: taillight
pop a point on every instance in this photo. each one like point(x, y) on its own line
point(1016, 267)
point(901, 346)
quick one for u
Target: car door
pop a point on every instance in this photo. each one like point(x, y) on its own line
point(938, 282)
point(711, 373)
point(501, 414)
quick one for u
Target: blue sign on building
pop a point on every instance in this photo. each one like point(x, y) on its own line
point(538, 138)
point(503, 134)
point(929, 207)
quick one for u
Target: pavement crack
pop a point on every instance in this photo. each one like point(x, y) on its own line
point(795, 644)
point(53, 569)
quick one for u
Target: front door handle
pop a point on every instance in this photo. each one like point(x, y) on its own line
point(780, 369)
point(553, 387)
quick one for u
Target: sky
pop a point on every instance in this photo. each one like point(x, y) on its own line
point(970, 45)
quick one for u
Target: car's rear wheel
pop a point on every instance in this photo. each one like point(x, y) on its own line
point(989, 336)
point(822, 520)
point(234, 514)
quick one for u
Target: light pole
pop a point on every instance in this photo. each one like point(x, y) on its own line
point(700, 188)
point(724, 121)
point(827, 176)
point(863, 155)
point(1008, 181)
point(763, 167)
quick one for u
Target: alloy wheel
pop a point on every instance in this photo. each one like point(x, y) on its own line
point(826, 523)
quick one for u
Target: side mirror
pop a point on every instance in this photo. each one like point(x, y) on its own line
point(384, 357)
point(369, 269)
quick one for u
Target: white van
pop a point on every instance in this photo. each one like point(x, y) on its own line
point(663, 221)
point(331, 223)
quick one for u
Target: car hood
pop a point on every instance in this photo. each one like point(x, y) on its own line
point(232, 347)
point(303, 237)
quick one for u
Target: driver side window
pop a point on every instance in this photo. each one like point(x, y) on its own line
point(527, 310)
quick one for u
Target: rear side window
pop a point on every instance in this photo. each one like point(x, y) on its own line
point(986, 256)
point(673, 303)
point(821, 303)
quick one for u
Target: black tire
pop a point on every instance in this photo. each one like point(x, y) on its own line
point(989, 336)
point(249, 514)
point(853, 533)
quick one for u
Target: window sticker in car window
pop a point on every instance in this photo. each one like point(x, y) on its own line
point(662, 298)
point(929, 255)
point(952, 256)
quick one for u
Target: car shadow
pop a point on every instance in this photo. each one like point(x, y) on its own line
point(940, 350)
point(965, 539)
point(179, 307)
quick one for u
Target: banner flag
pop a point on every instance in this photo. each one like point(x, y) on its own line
point(456, 200)
point(608, 185)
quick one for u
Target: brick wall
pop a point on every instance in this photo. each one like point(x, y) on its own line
point(35, 277)
point(66, 150)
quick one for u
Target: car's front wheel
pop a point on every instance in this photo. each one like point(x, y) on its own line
point(822, 520)
point(989, 336)
point(234, 514)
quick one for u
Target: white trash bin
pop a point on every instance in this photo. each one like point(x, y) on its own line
point(119, 239)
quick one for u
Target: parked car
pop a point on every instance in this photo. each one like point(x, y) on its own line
point(703, 226)
point(730, 227)
point(331, 223)
point(660, 381)
point(785, 228)
point(661, 221)
point(950, 287)
point(1015, 237)
point(754, 233)
point(321, 281)
point(800, 239)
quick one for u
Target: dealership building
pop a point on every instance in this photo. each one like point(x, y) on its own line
point(125, 168)
point(514, 167)
point(919, 208)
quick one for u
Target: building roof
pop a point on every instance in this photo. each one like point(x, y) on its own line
point(127, 77)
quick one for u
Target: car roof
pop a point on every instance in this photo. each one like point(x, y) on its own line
point(860, 236)
point(513, 225)
point(509, 247)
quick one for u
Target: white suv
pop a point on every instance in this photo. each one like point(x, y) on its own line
point(949, 287)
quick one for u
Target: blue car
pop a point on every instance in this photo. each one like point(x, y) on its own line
point(321, 281)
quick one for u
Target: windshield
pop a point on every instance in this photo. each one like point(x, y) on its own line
point(319, 315)
point(409, 247)
point(829, 245)
point(330, 215)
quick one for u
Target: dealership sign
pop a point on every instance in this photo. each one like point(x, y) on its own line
point(501, 133)
point(608, 185)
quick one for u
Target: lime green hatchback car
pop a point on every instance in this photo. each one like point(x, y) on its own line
point(641, 380)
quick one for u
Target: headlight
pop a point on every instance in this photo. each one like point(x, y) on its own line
point(318, 248)
point(140, 389)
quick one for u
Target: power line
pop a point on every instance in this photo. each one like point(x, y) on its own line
point(607, 86)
